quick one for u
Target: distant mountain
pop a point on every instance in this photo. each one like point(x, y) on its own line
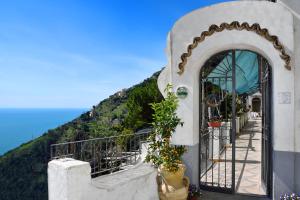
point(23, 170)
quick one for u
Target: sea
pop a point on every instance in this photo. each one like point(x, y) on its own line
point(18, 126)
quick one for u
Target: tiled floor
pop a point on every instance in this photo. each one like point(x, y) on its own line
point(247, 165)
point(248, 159)
point(220, 196)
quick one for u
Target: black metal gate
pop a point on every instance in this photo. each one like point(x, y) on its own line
point(266, 161)
point(217, 120)
point(217, 143)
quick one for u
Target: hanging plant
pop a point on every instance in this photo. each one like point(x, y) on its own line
point(215, 122)
point(211, 100)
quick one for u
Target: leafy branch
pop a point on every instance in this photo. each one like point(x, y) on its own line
point(165, 121)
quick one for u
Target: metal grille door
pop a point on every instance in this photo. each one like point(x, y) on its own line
point(228, 82)
point(266, 128)
point(217, 136)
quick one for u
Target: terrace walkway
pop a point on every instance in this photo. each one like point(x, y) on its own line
point(220, 196)
point(248, 165)
point(248, 159)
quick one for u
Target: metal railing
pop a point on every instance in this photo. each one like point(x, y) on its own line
point(105, 155)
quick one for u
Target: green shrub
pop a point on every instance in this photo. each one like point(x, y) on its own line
point(165, 121)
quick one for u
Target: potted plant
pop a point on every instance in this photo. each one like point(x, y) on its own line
point(215, 122)
point(292, 196)
point(194, 192)
point(161, 152)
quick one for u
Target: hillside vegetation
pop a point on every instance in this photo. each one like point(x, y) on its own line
point(23, 170)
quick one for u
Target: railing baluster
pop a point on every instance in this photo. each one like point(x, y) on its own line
point(99, 156)
point(225, 158)
point(212, 157)
point(130, 150)
point(105, 155)
point(219, 153)
point(93, 156)
point(135, 150)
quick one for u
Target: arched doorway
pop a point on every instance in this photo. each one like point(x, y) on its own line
point(256, 103)
point(235, 149)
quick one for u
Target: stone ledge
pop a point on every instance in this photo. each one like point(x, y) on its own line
point(111, 181)
point(67, 163)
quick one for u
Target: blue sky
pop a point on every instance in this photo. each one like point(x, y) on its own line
point(73, 54)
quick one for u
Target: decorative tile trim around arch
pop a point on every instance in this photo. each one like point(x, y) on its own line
point(263, 32)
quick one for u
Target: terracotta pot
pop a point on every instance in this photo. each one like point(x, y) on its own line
point(215, 124)
point(174, 178)
point(167, 192)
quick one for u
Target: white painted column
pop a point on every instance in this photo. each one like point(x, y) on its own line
point(227, 126)
point(214, 142)
point(68, 179)
point(237, 124)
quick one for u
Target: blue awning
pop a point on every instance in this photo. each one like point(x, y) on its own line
point(246, 72)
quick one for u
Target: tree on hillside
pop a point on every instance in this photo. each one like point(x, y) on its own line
point(138, 104)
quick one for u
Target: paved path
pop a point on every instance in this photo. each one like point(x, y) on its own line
point(248, 163)
point(219, 196)
point(248, 159)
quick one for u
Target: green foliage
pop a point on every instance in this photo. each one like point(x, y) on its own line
point(239, 105)
point(23, 171)
point(165, 121)
point(138, 104)
point(125, 137)
point(100, 129)
point(226, 106)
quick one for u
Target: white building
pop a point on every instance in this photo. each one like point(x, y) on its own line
point(241, 26)
point(259, 41)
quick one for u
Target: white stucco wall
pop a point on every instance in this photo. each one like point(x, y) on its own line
point(294, 6)
point(135, 184)
point(70, 179)
point(269, 15)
